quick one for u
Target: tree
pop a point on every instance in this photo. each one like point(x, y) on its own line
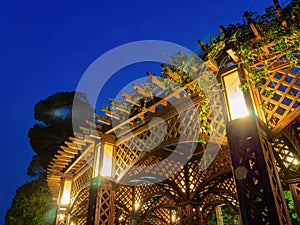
point(32, 204)
point(55, 126)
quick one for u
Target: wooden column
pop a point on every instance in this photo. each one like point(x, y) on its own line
point(101, 203)
point(219, 215)
point(190, 215)
point(258, 186)
point(280, 13)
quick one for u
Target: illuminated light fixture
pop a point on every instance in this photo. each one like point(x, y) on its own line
point(103, 160)
point(235, 100)
point(61, 217)
point(173, 218)
point(97, 158)
point(107, 160)
point(66, 195)
point(136, 206)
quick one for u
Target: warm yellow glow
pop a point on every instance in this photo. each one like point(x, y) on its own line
point(97, 161)
point(235, 98)
point(173, 218)
point(61, 216)
point(296, 162)
point(289, 159)
point(65, 198)
point(121, 218)
point(107, 161)
point(136, 205)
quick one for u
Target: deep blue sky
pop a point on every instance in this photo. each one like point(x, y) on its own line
point(45, 47)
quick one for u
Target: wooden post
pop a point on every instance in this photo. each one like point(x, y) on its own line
point(223, 30)
point(252, 26)
point(101, 203)
point(279, 12)
point(258, 185)
point(219, 215)
point(203, 46)
point(190, 215)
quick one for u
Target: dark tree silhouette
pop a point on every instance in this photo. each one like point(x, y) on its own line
point(55, 126)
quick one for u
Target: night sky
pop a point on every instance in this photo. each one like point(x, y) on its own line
point(47, 45)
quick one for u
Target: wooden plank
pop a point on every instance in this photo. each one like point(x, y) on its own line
point(129, 99)
point(252, 26)
point(175, 94)
point(157, 81)
point(69, 150)
point(233, 55)
point(69, 155)
point(284, 123)
point(81, 158)
point(73, 146)
point(77, 141)
point(102, 119)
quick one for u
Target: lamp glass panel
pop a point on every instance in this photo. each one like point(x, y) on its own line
point(97, 161)
point(65, 198)
point(235, 97)
point(106, 169)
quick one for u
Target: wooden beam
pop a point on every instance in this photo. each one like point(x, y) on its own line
point(280, 13)
point(129, 99)
point(284, 123)
point(142, 91)
point(223, 30)
point(233, 55)
point(203, 46)
point(102, 119)
point(65, 154)
point(81, 157)
point(157, 81)
point(70, 150)
point(212, 64)
point(73, 145)
point(77, 141)
point(252, 26)
point(169, 72)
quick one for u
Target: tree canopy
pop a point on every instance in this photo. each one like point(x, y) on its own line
point(32, 204)
point(54, 127)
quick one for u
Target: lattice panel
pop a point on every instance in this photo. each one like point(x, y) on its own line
point(176, 126)
point(124, 158)
point(275, 182)
point(210, 202)
point(105, 206)
point(82, 179)
point(163, 214)
point(190, 214)
point(280, 93)
point(124, 198)
point(154, 221)
point(286, 156)
point(79, 208)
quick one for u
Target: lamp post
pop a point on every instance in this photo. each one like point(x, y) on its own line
point(258, 186)
point(101, 198)
point(64, 201)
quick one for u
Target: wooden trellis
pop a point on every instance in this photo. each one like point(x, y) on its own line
point(184, 194)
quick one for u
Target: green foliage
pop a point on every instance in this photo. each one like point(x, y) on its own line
point(228, 215)
point(55, 126)
point(32, 204)
point(252, 51)
point(291, 206)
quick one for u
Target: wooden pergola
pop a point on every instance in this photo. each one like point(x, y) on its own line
point(249, 180)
